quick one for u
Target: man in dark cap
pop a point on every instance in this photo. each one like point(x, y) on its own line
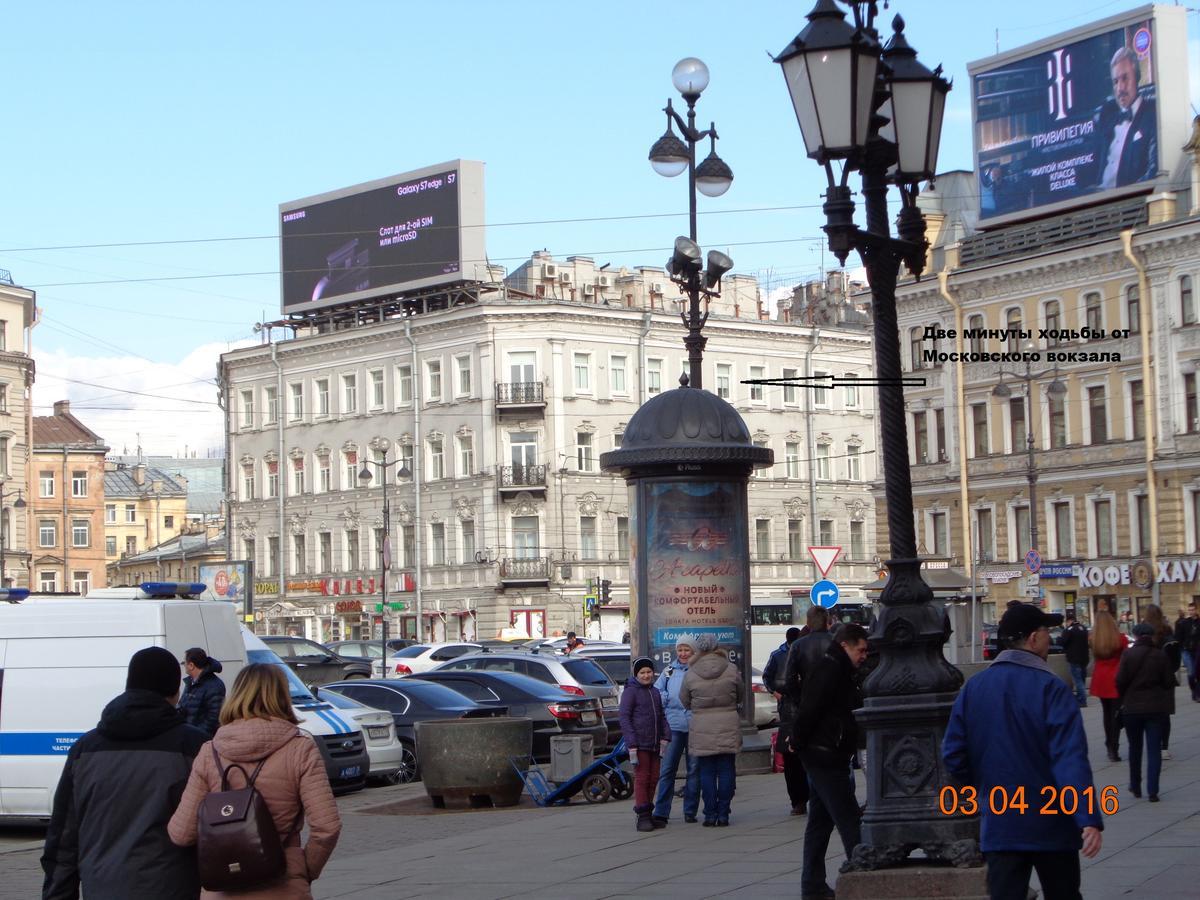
point(203, 691)
point(1016, 726)
point(121, 784)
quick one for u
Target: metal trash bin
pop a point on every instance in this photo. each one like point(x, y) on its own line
point(569, 753)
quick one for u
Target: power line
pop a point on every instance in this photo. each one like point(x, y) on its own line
point(107, 387)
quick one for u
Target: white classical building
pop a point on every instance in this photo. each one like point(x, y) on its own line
point(500, 407)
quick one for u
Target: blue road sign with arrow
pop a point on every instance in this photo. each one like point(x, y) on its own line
point(825, 594)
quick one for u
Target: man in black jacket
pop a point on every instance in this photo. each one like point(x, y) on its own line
point(1187, 632)
point(203, 691)
point(827, 734)
point(1075, 648)
point(804, 653)
point(793, 769)
point(121, 784)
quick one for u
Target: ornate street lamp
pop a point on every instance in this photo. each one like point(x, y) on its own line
point(669, 157)
point(385, 558)
point(878, 111)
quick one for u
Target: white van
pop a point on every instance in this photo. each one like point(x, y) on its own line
point(63, 659)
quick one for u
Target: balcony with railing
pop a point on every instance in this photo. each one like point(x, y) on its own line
point(515, 479)
point(522, 395)
point(524, 570)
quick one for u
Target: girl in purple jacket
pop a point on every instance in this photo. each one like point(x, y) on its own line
point(644, 726)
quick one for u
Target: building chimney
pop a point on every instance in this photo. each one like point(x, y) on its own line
point(139, 474)
point(62, 407)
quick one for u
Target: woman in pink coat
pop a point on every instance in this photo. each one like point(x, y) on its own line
point(257, 723)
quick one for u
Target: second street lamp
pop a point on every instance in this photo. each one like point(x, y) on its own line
point(385, 554)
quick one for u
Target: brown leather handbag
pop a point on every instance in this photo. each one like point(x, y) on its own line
point(238, 846)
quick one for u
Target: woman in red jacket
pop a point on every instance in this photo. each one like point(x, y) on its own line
point(1108, 644)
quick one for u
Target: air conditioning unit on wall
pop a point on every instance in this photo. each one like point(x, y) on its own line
point(549, 270)
point(603, 281)
point(565, 277)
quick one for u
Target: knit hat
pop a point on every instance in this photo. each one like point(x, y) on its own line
point(685, 640)
point(705, 643)
point(643, 662)
point(154, 669)
point(1143, 629)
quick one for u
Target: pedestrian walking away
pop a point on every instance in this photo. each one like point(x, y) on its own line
point(1108, 643)
point(826, 735)
point(1075, 648)
point(669, 684)
point(203, 691)
point(1187, 632)
point(1146, 686)
point(1016, 727)
point(258, 726)
point(647, 734)
point(108, 834)
point(794, 776)
point(804, 654)
point(713, 691)
point(1164, 639)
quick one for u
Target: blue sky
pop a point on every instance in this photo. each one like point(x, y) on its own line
point(130, 123)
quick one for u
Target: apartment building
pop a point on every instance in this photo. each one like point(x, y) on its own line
point(144, 506)
point(17, 315)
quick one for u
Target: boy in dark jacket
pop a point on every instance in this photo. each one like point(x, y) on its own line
point(203, 691)
point(646, 732)
point(121, 784)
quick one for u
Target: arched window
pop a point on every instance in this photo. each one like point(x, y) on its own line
point(914, 344)
point(975, 325)
point(1013, 323)
point(1133, 308)
point(1053, 321)
point(1187, 303)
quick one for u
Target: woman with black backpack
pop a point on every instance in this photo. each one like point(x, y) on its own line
point(251, 790)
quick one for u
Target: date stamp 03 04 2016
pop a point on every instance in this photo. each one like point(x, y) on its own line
point(1054, 801)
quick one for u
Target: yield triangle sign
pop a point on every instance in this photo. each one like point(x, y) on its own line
point(824, 557)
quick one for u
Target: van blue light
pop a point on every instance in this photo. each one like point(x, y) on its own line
point(14, 595)
point(172, 588)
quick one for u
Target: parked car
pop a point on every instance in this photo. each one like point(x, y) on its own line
point(615, 660)
point(423, 657)
point(390, 762)
point(313, 663)
point(367, 650)
point(991, 643)
point(553, 710)
point(766, 707)
point(574, 674)
point(559, 644)
point(410, 701)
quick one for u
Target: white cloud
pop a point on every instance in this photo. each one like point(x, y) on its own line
point(166, 408)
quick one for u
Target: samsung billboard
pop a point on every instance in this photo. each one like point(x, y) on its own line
point(417, 230)
point(1092, 114)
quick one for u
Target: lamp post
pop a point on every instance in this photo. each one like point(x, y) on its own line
point(670, 157)
point(878, 111)
point(385, 557)
point(19, 503)
point(1055, 388)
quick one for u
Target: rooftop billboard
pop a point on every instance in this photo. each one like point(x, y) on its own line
point(1095, 113)
point(417, 230)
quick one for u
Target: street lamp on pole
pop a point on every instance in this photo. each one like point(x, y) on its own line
point(19, 503)
point(878, 111)
point(385, 556)
point(669, 157)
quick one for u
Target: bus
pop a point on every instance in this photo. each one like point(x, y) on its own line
point(772, 616)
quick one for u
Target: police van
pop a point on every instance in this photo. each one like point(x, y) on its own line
point(62, 659)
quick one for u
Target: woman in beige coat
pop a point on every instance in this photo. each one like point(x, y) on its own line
point(712, 690)
point(257, 723)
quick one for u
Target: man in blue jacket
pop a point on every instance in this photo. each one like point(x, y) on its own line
point(203, 691)
point(1016, 726)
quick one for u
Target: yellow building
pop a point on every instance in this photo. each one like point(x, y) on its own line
point(144, 506)
point(177, 559)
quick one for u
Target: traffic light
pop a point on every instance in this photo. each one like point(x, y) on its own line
point(605, 591)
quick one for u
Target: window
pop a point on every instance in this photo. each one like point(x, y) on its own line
point(322, 396)
point(353, 559)
point(583, 451)
point(823, 473)
point(724, 380)
point(789, 390)
point(587, 538)
point(248, 483)
point(1137, 410)
point(130, 513)
point(1142, 504)
point(406, 456)
point(466, 456)
point(79, 484)
point(850, 392)
point(81, 581)
point(761, 473)
point(324, 475)
point(979, 427)
point(47, 533)
point(795, 532)
point(467, 544)
point(325, 548)
point(583, 372)
point(858, 539)
point(296, 392)
point(914, 347)
point(437, 459)
point(820, 393)
point(271, 404)
point(130, 546)
point(1097, 414)
point(853, 463)
point(1133, 309)
point(921, 437)
point(110, 514)
point(1063, 537)
point(975, 326)
point(616, 374)
point(1058, 420)
point(168, 521)
point(377, 547)
point(1187, 302)
point(622, 537)
point(941, 538)
point(762, 538)
point(349, 394)
point(757, 391)
point(3, 456)
point(376, 376)
point(48, 582)
point(1053, 322)
point(297, 476)
point(1102, 512)
point(1013, 324)
point(1017, 430)
point(404, 383)
point(985, 536)
point(437, 543)
point(653, 376)
point(463, 366)
point(825, 531)
point(248, 546)
point(3, 335)
point(408, 544)
point(525, 537)
point(247, 409)
point(1191, 404)
point(110, 545)
point(46, 483)
point(1023, 535)
point(618, 439)
point(273, 567)
point(272, 479)
point(1093, 311)
point(792, 457)
point(939, 422)
point(298, 564)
